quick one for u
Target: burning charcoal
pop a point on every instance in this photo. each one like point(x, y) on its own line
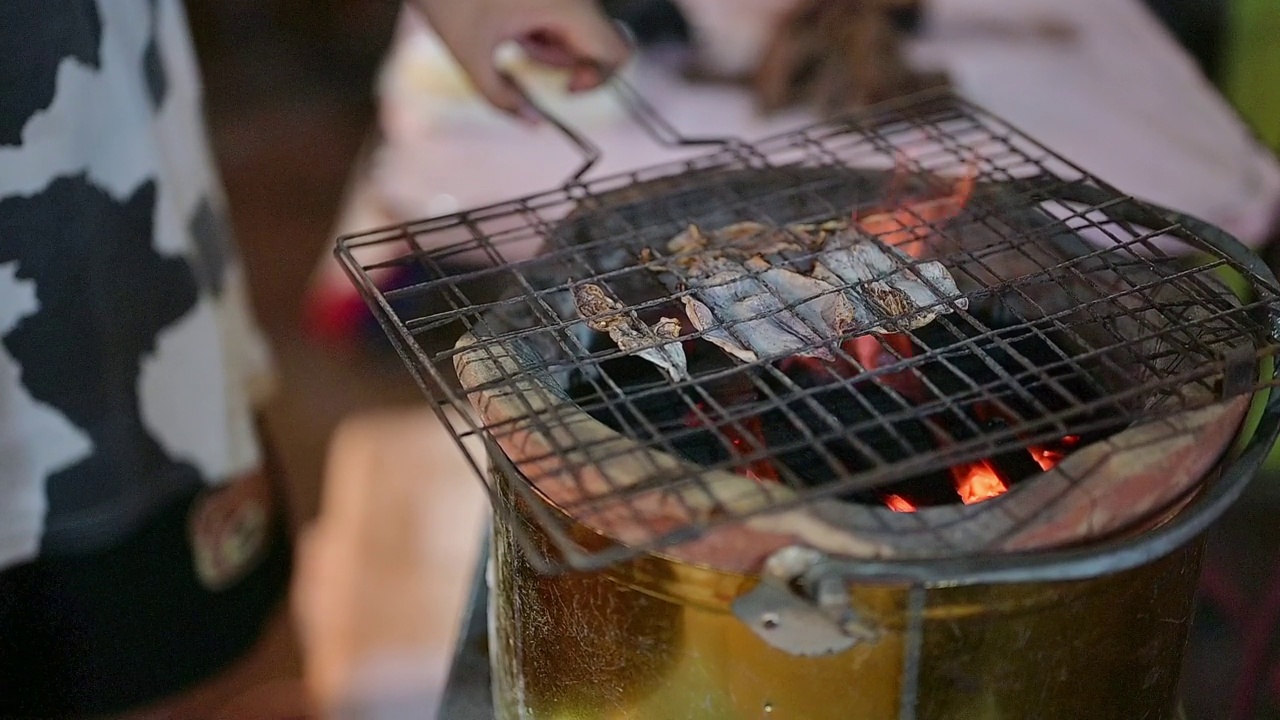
point(658, 344)
point(1034, 399)
point(1014, 464)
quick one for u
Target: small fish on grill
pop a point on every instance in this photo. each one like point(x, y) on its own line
point(761, 292)
point(659, 343)
point(887, 296)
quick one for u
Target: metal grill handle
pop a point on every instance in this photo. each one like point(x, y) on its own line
point(641, 112)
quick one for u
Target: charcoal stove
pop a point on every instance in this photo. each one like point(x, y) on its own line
point(989, 503)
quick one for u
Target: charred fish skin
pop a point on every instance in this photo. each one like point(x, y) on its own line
point(743, 317)
point(562, 342)
point(659, 344)
point(601, 312)
point(817, 302)
point(901, 293)
point(750, 309)
point(753, 308)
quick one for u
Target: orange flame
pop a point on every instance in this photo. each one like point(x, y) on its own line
point(977, 481)
point(899, 504)
point(871, 352)
point(1049, 457)
point(910, 225)
point(1046, 458)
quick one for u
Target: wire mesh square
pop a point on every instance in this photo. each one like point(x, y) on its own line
point(1077, 311)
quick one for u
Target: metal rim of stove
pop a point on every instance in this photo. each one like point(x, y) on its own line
point(1098, 558)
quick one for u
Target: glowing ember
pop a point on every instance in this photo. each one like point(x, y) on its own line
point(1048, 457)
point(899, 504)
point(760, 469)
point(869, 351)
point(873, 352)
point(977, 481)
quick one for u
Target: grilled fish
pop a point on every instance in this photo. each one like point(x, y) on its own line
point(760, 292)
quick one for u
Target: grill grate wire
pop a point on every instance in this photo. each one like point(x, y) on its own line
point(1138, 326)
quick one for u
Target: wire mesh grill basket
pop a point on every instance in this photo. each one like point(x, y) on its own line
point(1001, 313)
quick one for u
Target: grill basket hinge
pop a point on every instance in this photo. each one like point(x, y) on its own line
point(793, 611)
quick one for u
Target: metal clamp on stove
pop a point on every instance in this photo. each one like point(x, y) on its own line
point(799, 614)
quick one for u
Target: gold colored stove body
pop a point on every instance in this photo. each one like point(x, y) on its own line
point(656, 639)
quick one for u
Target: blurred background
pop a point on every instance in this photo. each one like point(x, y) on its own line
point(293, 113)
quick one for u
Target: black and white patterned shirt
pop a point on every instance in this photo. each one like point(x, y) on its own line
point(127, 352)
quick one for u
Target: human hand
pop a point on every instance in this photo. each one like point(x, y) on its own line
point(571, 34)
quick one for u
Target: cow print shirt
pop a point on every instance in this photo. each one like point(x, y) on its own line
point(127, 353)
